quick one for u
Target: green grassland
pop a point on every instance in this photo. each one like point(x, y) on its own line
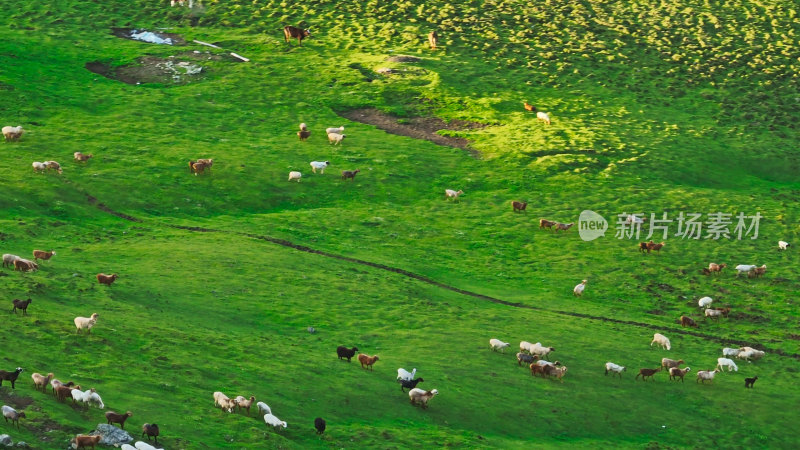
point(656, 107)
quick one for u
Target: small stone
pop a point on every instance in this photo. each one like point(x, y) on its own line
point(311, 330)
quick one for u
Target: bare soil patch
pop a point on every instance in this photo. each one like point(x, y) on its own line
point(127, 33)
point(417, 127)
point(403, 59)
point(149, 69)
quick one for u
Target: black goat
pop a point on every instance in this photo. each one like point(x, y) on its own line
point(10, 376)
point(319, 424)
point(22, 305)
point(345, 352)
point(409, 384)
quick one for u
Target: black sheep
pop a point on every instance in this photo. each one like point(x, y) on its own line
point(10, 376)
point(319, 424)
point(409, 384)
point(345, 352)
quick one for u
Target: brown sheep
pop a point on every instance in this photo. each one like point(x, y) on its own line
point(647, 373)
point(106, 279)
point(350, 174)
point(23, 265)
point(757, 271)
point(544, 223)
point(433, 39)
point(558, 372)
point(519, 206)
point(687, 322)
point(113, 418)
point(83, 441)
point(200, 165)
point(367, 360)
point(43, 255)
point(303, 134)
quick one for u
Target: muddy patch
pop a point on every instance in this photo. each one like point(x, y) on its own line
point(149, 69)
point(152, 37)
point(403, 59)
point(11, 399)
point(417, 127)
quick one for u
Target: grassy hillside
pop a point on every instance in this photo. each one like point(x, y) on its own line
point(656, 108)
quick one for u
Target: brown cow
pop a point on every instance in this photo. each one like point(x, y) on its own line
point(544, 223)
point(519, 206)
point(290, 32)
point(433, 39)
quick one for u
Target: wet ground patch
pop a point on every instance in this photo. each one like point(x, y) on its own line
point(150, 69)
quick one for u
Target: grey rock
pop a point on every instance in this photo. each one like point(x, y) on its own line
point(311, 330)
point(23, 444)
point(5, 440)
point(112, 435)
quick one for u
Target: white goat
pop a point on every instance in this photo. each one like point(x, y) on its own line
point(319, 165)
point(614, 369)
point(274, 421)
point(497, 344)
point(705, 302)
point(578, 289)
point(449, 193)
point(403, 374)
point(86, 323)
point(295, 175)
point(744, 268)
point(783, 245)
point(661, 340)
point(263, 408)
point(725, 362)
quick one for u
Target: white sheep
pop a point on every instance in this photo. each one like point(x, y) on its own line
point(543, 117)
point(705, 302)
point(142, 445)
point(525, 346)
point(543, 363)
point(661, 340)
point(8, 259)
point(263, 408)
point(295, 175)
point(497, 344)
point(783, 245)
point(94, 397)
point(86, 323)
point(748, 353)
point(578, 289)
point(704, 375)
point(336, 138)
point(614, 369)
point(337, 130)
point(449, 193)
point(403, 374)
point(88, 397)
point(38, 166)
point(319, 165)
point(127, 447)
point(540, 350)
point(421, 396)
point(13, 133)
point(744, 268)
point(274, 421)
point(725, 362)
point(727, 351)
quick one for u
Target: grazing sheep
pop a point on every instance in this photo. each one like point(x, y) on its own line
point(10, 376)
point(112, 418)
point(43, 255)
point(528, 106)
point(687, 322)
point(497, 344)
point(320, 425)
point(757, 271)
point(670, 363)
point(409, 384)
point(704, 375)
point(84, 440)
point(295, 175)
point(577, 291)
point(647, 373)
point(525, 346)
point(245, 403)
point(433, 39)
point(367, 360)
point(344, 352)
point(108, 280)
point(525, 358)
point(141, 445)
point(544, 223)
point(350, 174)
point(21, 305)
point(420, 396)
point(41, 381)
point(319, 165)
point(81, 157)
point(13, 133)
point(38, 166)
point(337, 130)
point(336, 138)
point(518, 206)
point(25, 265)
point(748, 353)
point(12, 414)
point(615, 369)
point(543, 363)
point(403, 374)
point(8, 259)
point(564, 226)
point(661, 340)
point(53, 165)
point(539, 350)
point(543, 117)
point(783, 245)
point(263, 408)
point(558, 372)
point(727, 351)
point(705, 302)
point(151, 430)
point(726, 362)
point(744, 268)
point(749, 382)
point(675, 373)
point(716, 268)
point(223, 401)
point(86, 323)
point(274, 421)
point(449, 193)
point(713, 313)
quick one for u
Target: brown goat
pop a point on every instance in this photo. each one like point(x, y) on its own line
point(350, 174)
point(108, 280)
point(657, 247)
point(519, 206)
point(84, 440)
point(290, 32)
point(113, 418)
point(23, 265)
point(716, 268)
point(43, 255)
point(433, 39)
point(21, 305)
point(242, 402)
point(646, 246)
point(367, 360)
point(150, 429)
point(564, 226)
point(63, 391)
point(82, 157)
point(670, 363)
point(537, 369)
point(544, 223)
point(687, 322)
point(529, 107)
point(675, 373)
point(647, 373)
